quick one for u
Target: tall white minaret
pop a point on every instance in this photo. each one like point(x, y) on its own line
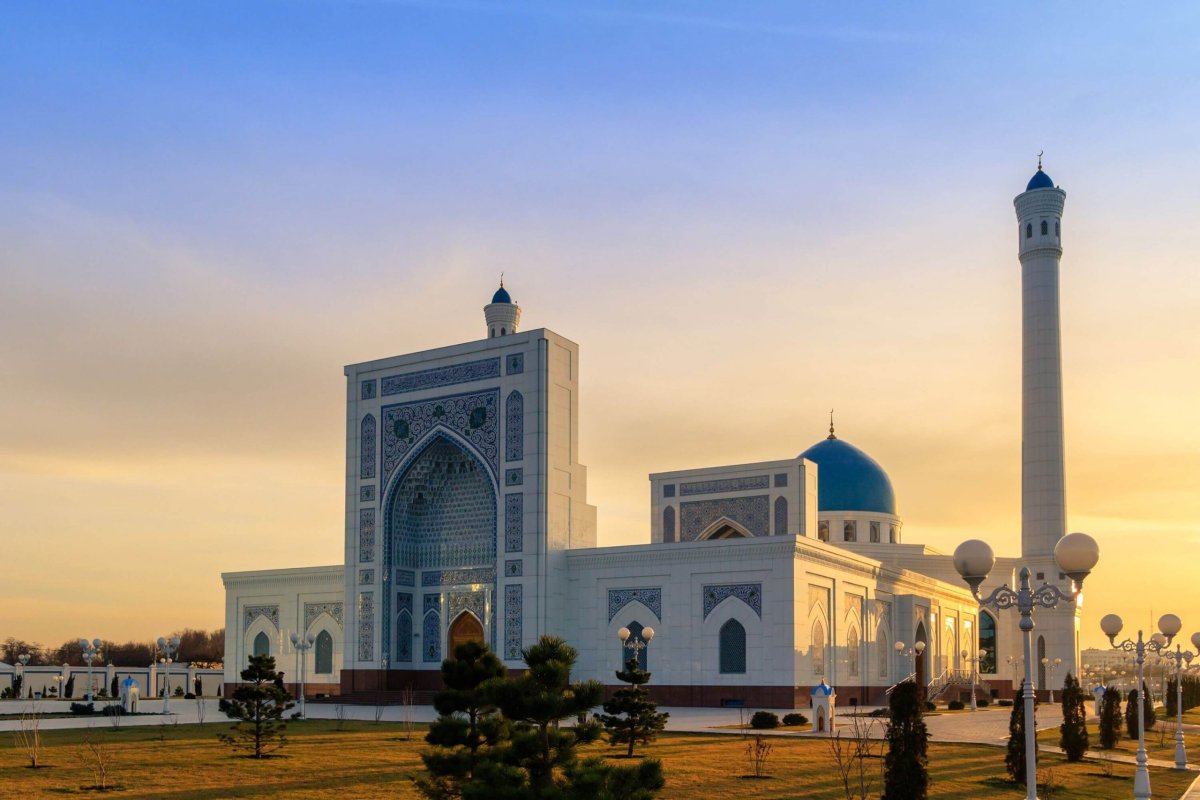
point(502, 314)
point(1043, 499)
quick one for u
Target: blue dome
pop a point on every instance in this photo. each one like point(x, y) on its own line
point(849, 479)
point(501, 295)
point(1040, 180)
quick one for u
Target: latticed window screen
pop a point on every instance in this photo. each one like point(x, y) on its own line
point(733, 648)
point(324, 654)
point(262, 644)
point(404, 637)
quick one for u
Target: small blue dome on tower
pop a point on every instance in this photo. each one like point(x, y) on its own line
point(1040, 180)
point(501, 295)
point(849, 479)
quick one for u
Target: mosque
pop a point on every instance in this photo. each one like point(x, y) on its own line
point(467, 518)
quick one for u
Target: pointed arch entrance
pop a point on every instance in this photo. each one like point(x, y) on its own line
point(466, 628)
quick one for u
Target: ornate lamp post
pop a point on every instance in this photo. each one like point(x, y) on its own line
point(1076, 554)
point(1050, 667)
point(91, 651)
point(302, 644)
point(168, 647)
point(22, 661)
point(1169, 625)
point(904, 651)
point(635, 644)
point(1180, 656)
point(974, 662)
point(1015, 663)
point(58, 685)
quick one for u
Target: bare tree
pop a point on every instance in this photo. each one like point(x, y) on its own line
point(852, 752)
point(94, 754)
point(758, 750)
point(339, 713)
point(29, 734)
point(201, 710)
point(380, 706)
point(407, 696)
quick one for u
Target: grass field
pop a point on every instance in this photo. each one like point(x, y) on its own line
point(366, 760)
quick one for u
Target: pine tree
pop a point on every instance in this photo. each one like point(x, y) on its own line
point(1110, 718)
point(539, 761)
point(1014, 758)
point(631, 716)
point(1131, 713)
point(906, 773)
point(69, 689)
point(259, 705)
point(1074, 733)
point(468, 721)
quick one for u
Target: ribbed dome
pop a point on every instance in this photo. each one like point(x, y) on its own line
point(849, 479)
point(1040, 180)
point(501, 295)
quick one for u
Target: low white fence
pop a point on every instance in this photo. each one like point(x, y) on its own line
point(53, 681)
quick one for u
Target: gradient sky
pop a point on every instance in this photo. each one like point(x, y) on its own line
point(746, 214)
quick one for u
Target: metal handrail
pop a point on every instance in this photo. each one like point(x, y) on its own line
point(912, 676)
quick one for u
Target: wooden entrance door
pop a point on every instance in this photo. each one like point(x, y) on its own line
point(465, 629)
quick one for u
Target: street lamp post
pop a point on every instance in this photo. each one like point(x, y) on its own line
point(904, 651)
point(58, 686)
point(1076, 554)
point(169, 648)
point(636, 644)
point(1050, 667)
point(974, 662)
point(22, 661)
point(91, 650)
point(1180, 656)
point(302, 644)
point(1168, 625)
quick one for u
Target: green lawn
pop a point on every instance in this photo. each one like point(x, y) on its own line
point(374, 760)
point(1160, 741)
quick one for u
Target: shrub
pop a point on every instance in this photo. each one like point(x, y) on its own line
point(178, 691)
point(762, 720)
point(982, 702)
point(906, 774)
point(83, 708)
point(1074, 734)
point(955, 705)
point(1004, 703)
point(794, 719)
point(1014, 758)
point(930, 706)
point(1110, 718)
point(114, 710)
point(189, 696)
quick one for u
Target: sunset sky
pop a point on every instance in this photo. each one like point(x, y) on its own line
point(745, 214)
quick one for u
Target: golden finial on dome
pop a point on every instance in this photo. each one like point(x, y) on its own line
point(831, 434)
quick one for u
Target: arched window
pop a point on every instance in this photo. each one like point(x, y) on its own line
point(1029, 230)
point(852, 652)
point(404, 637)
point(643, 656)
point(1057, 229)
point(883, 649)
point(502, 332)
point(850, 530)
point(781, 514)
point(817, 650)
point(262, 644)
point(823, 530)
point(732, 648)
point(1045, 227)
point(892, 534)
point(875, 532)
point(323, 654)
point(987, 643)
point(669, 524)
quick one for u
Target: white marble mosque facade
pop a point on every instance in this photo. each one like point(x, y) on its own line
point(467, 516)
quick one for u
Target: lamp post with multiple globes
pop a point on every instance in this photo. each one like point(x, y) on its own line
point(1050, 666)
point(22, 662)
point(1168, 626)
point(904, 651)
point(1075, 554)
point(302, 644)
point(1180, 656)
point(91, 650)
point(168, 647)
point(636, 644)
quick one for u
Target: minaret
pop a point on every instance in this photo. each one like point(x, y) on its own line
point(502, 314)
point(1043, 501)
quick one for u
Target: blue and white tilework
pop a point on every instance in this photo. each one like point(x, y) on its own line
point(367, 390)
point(516, 363)
point(366, 626)
point(404, 602)
point(442, 376)
point(474, 417)
point(431, 629)
point(366, 494)
point(514, 522)
point(251, 613)
point(751, 512)
point(724, 485)
point(314, 610)
point(366, 577)
point(651, 598)
point(404, 636)
point(449, 577)
point(475, 602)
point(406, 577)
point(514, 427)
point(513, 620)
point(748, 593)
point(366, 445)
point(514, 568)
point(366, 535)
point(781, 516)
point(514, 477)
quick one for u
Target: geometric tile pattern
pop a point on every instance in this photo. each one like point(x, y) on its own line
point(366, 445)
point(748, 593)
point(781, 480)
point(514, 521)
point(781, 516)
point(448, 577)
point(751, 512)
point(442, 376)
point(669, 524)
point(366, 494)
point(514, 477)
point(514, 568)
point(475, 602)
point(366, 535)
point(474, 416)
point(314, 610)
point(431, 629)
point(516, 364)
point(619, 598)
point(514, 427)
point(724, 485)
point(366, 626)
point(513, 620)
point(366, 576)
point(368, 390)
point(405, 577)
point(252, 613)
